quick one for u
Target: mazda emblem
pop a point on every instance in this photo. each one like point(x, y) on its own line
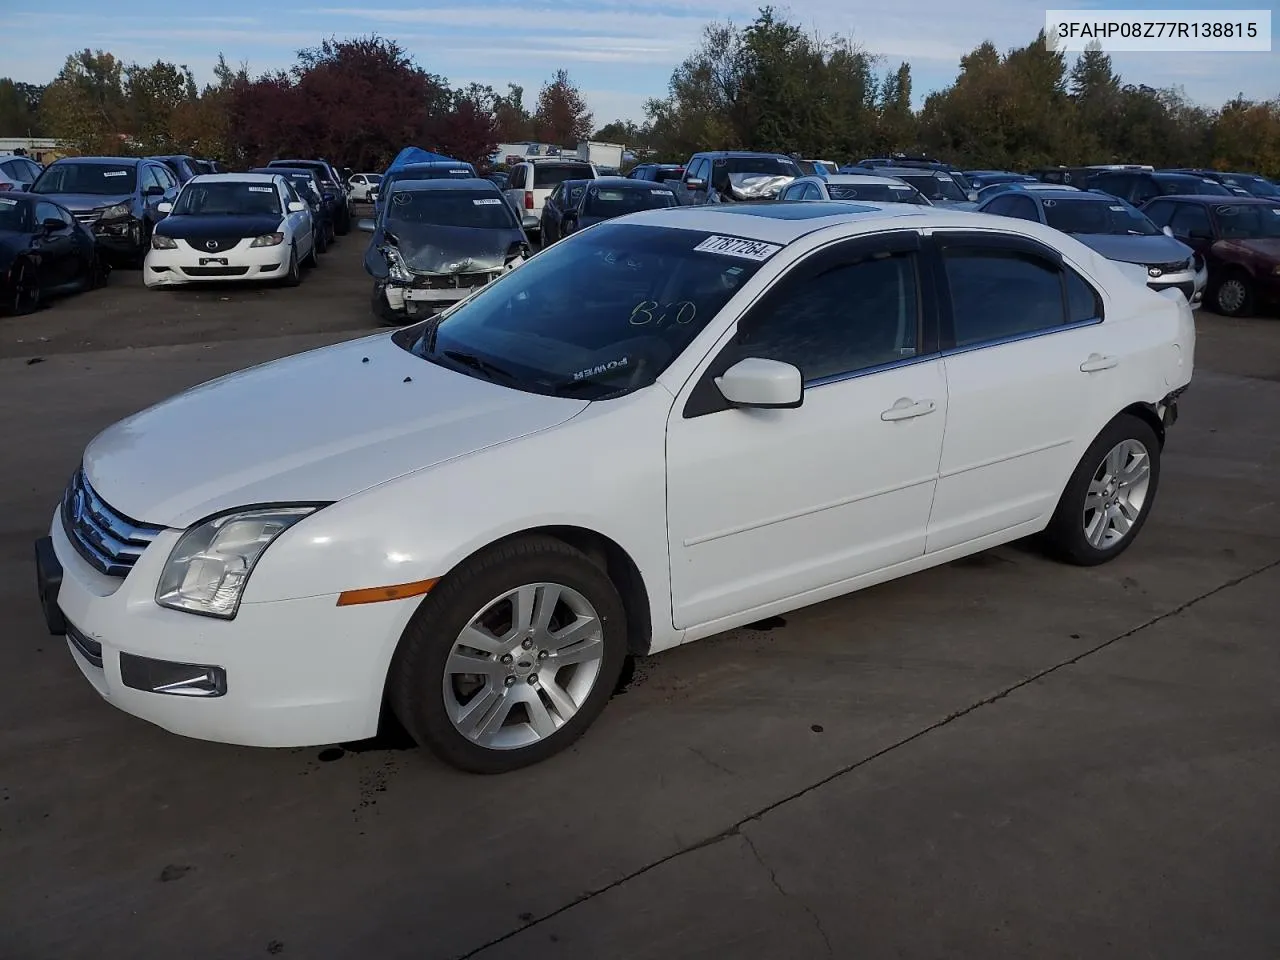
point(211, 245)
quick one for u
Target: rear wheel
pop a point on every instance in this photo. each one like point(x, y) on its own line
point(511, 657)
point(25, 294)
point(1109, 497)
point(322, 238)
point(1233, 297)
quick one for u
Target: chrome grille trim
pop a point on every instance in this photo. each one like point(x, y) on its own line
point(110, 541)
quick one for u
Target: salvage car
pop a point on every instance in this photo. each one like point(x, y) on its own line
point(44, 252)
point(940, 187)
point(1239, 240)
point(117, 198)
point(1115, 229)
point(1138, 187)
point(562, 199)
point(437, 241)
point(623, 445)
point(427, 170)
point(608, 197)
point(530, 182)
point(332, 186)
point(735, 176)
point(232, 226)
point(866, 187)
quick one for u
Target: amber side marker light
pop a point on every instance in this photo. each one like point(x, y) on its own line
point(378, 594)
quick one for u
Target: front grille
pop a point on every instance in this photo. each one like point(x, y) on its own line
point(452, 281)
point(1188, 289)
point(215, 271)
point(1177, 266)
point(213, 244)
point(89, 648)
point(109, 540)
point(89, 216)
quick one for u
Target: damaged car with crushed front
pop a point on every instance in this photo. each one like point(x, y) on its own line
point(435, 242)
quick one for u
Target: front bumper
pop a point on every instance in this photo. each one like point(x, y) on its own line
point(165, 268)
point(285, 673)
point(120, 236)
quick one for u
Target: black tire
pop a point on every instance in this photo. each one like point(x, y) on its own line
point(1236, 289)
point(1065, 535)
point(342, 220)
point(293, 276)
point(322, 239)
point(415, 685)
point(382, 310)
point(312, 259)
point(24, 295)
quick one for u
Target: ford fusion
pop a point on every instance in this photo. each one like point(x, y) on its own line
point(621, 446)
point(437, 241)
point(232, 226)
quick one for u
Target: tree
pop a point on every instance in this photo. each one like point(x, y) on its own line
point(1246, 136)
point(511, 117)
point(468, 131)
point(85, 104)
point(155, 94)
point(895, 122)
point(19, 108)
point(562, 116)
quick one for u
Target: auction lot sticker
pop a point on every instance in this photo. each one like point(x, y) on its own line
point(738, 247)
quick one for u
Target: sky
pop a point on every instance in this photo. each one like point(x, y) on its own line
point(618, 52)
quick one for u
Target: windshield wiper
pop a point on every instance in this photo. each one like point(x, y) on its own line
point(478, 363)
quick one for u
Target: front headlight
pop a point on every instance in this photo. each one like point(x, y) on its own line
point(268, 240)
point(396, 266)
point(116, 212)
point(162, 243)
point(210, 564)
point(1275, 271)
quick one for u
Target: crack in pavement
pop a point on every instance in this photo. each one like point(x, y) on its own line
point(735, 830)
point(773, 878)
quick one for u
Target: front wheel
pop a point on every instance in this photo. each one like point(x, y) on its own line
point(511, 657)
point(294, 275)
point(1109, 497)
point(312, 255)
point(1234, 296)
point(383, 310)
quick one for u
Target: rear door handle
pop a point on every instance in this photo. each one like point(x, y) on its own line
point(907, 409)
point(1097, 362)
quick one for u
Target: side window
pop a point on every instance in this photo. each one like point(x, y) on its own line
point(517, 178)
point(165, 177)
point(848, 318)
point(557, 194)
point(1024, 208)
point(1191, 220)
point(699, 170)
point(1144, 189)
point(1159, 212)
point(47, 211)
point(811, 192)
point(1000, 293)
point(1083, 302)
point(999, 206)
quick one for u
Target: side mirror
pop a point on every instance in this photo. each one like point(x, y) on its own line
point(695, 183)
point(1167, 230)
point(365, 225)
point(52, 225)
point(296, 206)
point(973, 196)
point(153, 191)
point(166, 208)
point(762, 384)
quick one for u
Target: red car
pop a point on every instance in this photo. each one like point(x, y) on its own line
point(1239, 239)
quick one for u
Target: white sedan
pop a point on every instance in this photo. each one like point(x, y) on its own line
point(477, 518)
point(232, 226)
point(364, 186)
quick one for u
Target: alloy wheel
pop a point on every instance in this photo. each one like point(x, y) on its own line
point(1117, 494)
point(523, 666)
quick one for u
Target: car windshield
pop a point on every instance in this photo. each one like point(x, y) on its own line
point(11, 215)
point(616, 201)
point(105, 179)
point(639, 295)
point(451, 208)
point(1248, 221)
point(934, 187)
point(1192, 186)
point(876, 192)
point(236, 198)
point(548, 175)
point(1258, 186)
point(1097, 216)
point(373, 177)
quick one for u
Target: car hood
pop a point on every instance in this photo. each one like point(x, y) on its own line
point(209, 227)
point(315, 427)
point(78, 202)
point(428, 248)
point(1131, 249)
point(1268, 248)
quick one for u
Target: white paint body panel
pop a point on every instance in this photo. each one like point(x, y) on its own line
point(728, 517)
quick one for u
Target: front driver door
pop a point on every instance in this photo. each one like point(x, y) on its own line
point(57, 246)
point(765, 505)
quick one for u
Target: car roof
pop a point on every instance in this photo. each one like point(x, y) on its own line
point(478, 184)
point(235, 178)
point(113, 161)
point(432, 163)
point(626, 182)
point(742, 153)
point(912, 172)
point(780, 222)
point(856, 178)
point(1216, 200)
point(1061, 193)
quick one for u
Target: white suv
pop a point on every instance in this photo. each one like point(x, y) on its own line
point(532, 181)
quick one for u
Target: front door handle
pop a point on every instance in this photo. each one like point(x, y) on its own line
point(1097, 362)
point(907, 409)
